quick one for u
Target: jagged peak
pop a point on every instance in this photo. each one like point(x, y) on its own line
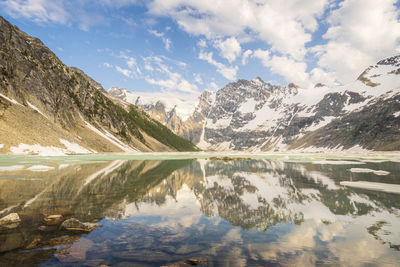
point(395, 61)
point(319, 85)
point(258, 80)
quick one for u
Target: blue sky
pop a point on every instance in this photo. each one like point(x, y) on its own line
point(188, 46)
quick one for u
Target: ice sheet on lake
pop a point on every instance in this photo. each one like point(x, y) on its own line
point(40, 168)
point(384, 187)
point(365, 170)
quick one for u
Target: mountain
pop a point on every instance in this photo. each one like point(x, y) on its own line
point(258, 116)
point(47, 107)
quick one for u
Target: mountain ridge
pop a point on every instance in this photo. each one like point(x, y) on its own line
point(48, 107)
point(253, 115)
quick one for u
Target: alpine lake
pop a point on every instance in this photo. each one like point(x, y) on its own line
point(200, 209)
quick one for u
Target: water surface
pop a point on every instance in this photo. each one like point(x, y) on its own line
point(278, 211)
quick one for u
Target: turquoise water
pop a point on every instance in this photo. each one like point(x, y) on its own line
point(154, 210)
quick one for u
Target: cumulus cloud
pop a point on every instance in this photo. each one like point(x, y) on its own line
point(286, 25)
point(41, 11)
point(360, 33)
point(291, 70)
point(229, 49)
point(226, 71)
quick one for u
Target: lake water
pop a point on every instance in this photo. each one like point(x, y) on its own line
point(158, 210)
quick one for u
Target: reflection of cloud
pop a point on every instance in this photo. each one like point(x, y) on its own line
point(357, 248)
point(183, 211)
point(350, 244)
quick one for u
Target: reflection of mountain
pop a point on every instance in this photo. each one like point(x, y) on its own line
point(189, 195)
point(260, 194)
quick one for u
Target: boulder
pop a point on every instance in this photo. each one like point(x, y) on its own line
point(10, 221)
point(77, 226)
point(53, 219)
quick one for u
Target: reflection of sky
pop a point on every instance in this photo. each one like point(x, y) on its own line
point(259, 194)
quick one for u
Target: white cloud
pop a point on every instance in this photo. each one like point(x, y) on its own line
point(173, 81)
point(288, 68)
point(41, 11)
point(117, 3)
point(284, 25)
point(197, 78)
point(125, 72)
point(107, 65)
point(132, 64)
point(226, 71)
point(213, 86)
point(262, 55)
point(361, 32)
point(202, 43)
point(167, 42)
point(246, 55)
point(229, 49)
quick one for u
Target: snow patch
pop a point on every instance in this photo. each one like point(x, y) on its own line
point(71, 148)
point(10, 100)
point(248, 106)
point(112, 139)
point(75, 148)
point(25, 149)
point(325, 121)
point(396, 114)
point(219, 124)
point(35, 108)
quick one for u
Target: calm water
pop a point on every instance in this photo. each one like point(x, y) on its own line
point(276, 211)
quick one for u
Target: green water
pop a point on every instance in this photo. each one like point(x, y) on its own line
point(277, 210)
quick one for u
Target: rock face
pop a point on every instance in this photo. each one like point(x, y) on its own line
point(45, 105)
point(257, 116)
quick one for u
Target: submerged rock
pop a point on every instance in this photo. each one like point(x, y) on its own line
point(10, 221)
point(189, 262)
point(76, 252)
point(11, 241)
point(46, 228)
point(53, 219)
point(75, 225)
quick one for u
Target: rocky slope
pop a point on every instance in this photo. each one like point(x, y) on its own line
point(257, 116)
point(47, 107)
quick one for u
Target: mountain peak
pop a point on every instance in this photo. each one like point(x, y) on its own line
point(395, 61)
point(258, 81)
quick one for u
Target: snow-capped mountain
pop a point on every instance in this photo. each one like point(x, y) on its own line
point(257, 116)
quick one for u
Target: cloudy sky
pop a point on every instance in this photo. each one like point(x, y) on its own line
point(191, 45)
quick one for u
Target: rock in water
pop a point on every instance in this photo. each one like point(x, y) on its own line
point(10, 221)
point(75, 225)
point(53, 219)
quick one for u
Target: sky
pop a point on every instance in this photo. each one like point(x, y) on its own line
point(187, 46)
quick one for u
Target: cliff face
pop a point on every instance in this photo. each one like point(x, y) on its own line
point(44, 104)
